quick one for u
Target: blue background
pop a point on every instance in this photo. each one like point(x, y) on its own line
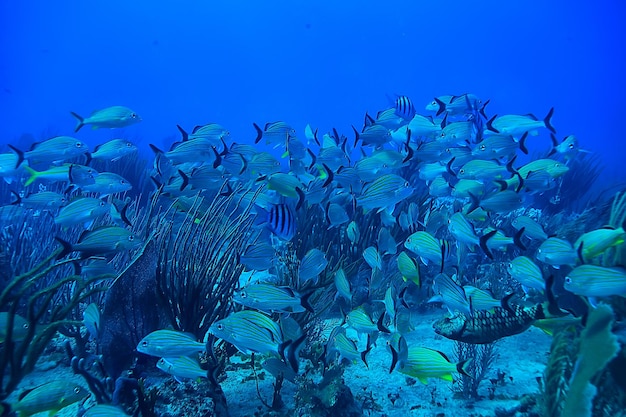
point(323, 63)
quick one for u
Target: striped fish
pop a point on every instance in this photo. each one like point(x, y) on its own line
point(258, 257)
point(272, 299)
point(170, 344)
point(428, 248)
point(101, 241)
point(182, 367)
point(384, 192)
point(408, 268)
point(250, 332)
point(594, 243)
point(59, 148)
point(423, 363)
point(91, 320)
point(281, 220)
point(347, 348)
point(82, 210)
point(110, 117)
point(556, 252)
point(311, 265)
point(373, 258)
point(342, 285)
point(104, 410)
point(50, 397)
point(596, 281)
point(532, 229)
point(404, 108)
point(451, 294)
point(527, 273)
point(362, 322)
point(112, 150)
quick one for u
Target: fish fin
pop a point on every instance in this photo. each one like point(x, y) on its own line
point(364, 356)
point(381, 326)
point(81, 121)
point(503, 184)
point(449, 167)
point(20, 156)
point(67, 247)
point(474, 203)
point(442, 106)
point(33, 176)
point(423, 380)
point(548, 121)
point(483, 243)
point(330, 175)
point(356, 135)
point(517, 239)
point(301, 197)
point(156, 150)
point(218, 158)
point(183, 133)
point(490, 124)
point(304, 301)
point(447, 377)
point(17, 200)
point(463, 367)
point(522, 143)
point(505, 303)
point(292, 353)
point(579, 252)
point(394, 359)
point(259, 133)
point(482, 109)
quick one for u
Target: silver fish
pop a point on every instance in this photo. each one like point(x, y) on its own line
point(110, 117)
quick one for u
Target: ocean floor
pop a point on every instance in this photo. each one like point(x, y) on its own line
point(519, 361)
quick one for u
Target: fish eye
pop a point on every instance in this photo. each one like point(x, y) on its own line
point(568, 280)
point(25, 326)
point(483, 147)
point(571, 146)
point(77, 390)
point(433, 103)
point(406, 184)
point(243, 294)
point(133, 115)
point(220, 327)
point(128, 144)
point(461, 171)
point(144, 343)
point(131, 238)
point(78, 144)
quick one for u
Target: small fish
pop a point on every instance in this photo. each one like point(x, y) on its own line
point(501, 202)
point(270, 298)
point(375, 135)
point(107, 183)
point(82, 210)
point(91, 319)
point(40, 200)
point(57, 149)
point(480, 169)
point(49, 397)
point(250, 332)
point(455, 105)
point(568, 148)
point(170, 344)
point(112, 150)
point(372, 258)
point(526, 272)
point(532, 229)
point(278, 367)
point(110, 117)
point(556, 252)
point(19, 328)
point(516, 125)
point(499, 146)
point(462, 229)
point(311, 265)
point(596, 281)
point(427, 127)
point(596, 242)
point(101, 241)
point(385, 192)
point(258, 257)
point(404, 108)
point(336, 215)
point(347, 348)
point(423, 363)
point(342, 285)
point(361, 321)
point(353, 232)
point(427, 247)
point(279, 132)
point(451, 294)
point(75, 174)
point(281, 220)
point(104, 410)
point(409, 268)
point(211, 131)
point(182, 367)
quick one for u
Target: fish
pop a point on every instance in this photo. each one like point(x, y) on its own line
point(270, 298)
point(311, 265)
point(49, 397)
point(374, 135)
point(427, 247)
point(40, 200)
point(353, 233)
point(499, 146)
point(409, 268)
point(556, 252)
point(568, 148)
point(170, 344)
point(113, 150)
point(107, 183)
point(526, 272)
point(258, 257)
point(501, 202)
point(596, 281)
point(336, 215)
point(427, 127)
point(404, 108)
point(487, 326)
point(104, 410)
point(424, 363)
point(56, 149)
point(211, 131)
point(281, 220)
point(74, 174)
point(342, 285)
point(279, 132)
point(532, 229)
point(104, 240)
point(451, 294)
point(250, 332)
point(10, 166)
point(361, 321)
point(19, 327)
point(596, 242)
point(182, 367)
point(81, 210)
point(516, 125)
point(480, 169)
point(347, 348)
point(110, 117)
point(278, 367)
point(372, 258)
point(462, 230)
point(384, 192)
point(455, 105)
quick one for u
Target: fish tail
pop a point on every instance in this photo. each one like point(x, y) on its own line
point(483, 243)
point(482, 110)
point(490, 124)
point(356, 135)
point(33, 176)
point(474, 203)
point(183, 133)
point(304, 301)
point(185, 180)
point(156, 150)
point(67, 247)
point(517, 239)
point(442, 106)
point(364, 356)
point(522, 143)
point(463, 367)
point(548, 121)
point(292, 353)
point(89, 158)
point(394, 359)
point(20, 156)
point(449, 167)
point(259, 133)
point(17, 200)
point(81, 121)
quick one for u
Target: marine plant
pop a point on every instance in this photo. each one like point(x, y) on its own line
point(483, 357)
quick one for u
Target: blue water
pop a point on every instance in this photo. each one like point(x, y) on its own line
point(323, 63)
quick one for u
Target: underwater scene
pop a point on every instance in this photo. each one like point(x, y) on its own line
point(293, 208)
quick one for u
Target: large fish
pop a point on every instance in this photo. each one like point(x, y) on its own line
point(110, 117)
point(112, 150)
point(170, 344)
point(105, 240)
point(49, 397)
point(57, 149)
point(596, 281)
